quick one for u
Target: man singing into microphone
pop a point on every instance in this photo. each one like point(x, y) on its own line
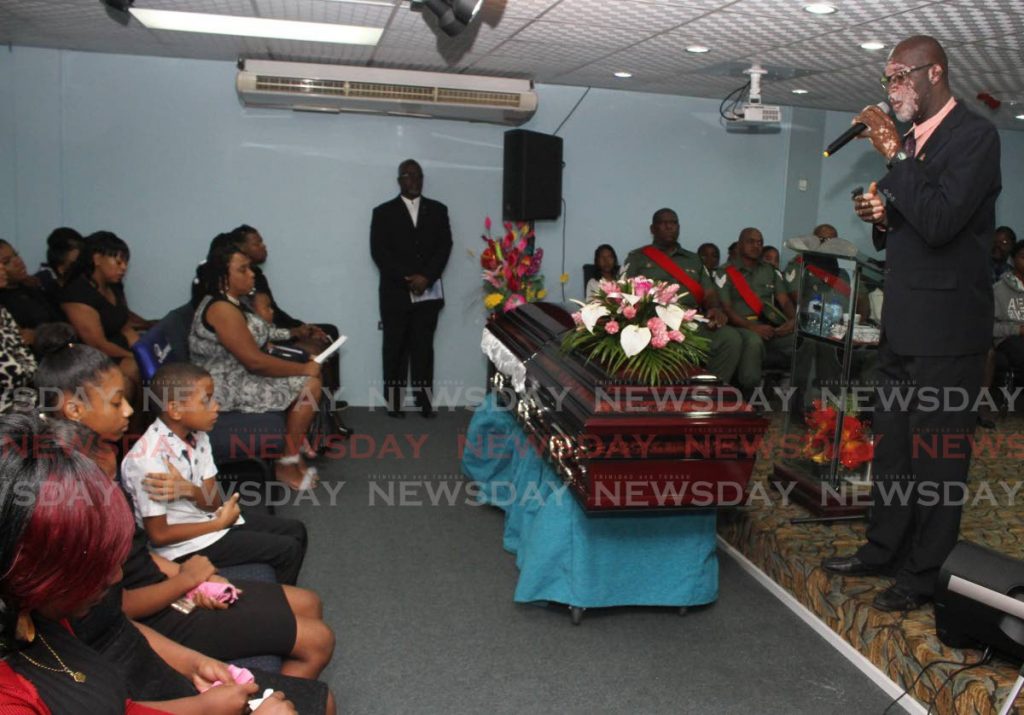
point(933, 213)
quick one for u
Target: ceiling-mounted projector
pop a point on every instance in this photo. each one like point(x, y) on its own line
point(753, 112)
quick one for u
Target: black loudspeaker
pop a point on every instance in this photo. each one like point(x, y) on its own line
point(978, 588)
point(532, 186)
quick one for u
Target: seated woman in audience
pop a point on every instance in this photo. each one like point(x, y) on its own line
point(17, 363)
point(1009, 301)
point(607, 265)
point(44, 667)
point(62, 248)
point(308, 336)
point(227, 339)
point(95, 304)
point(50, 664)
point(22, 296)
point(81, 386)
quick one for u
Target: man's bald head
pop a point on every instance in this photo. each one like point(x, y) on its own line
point(918, 79)
point(922, 50)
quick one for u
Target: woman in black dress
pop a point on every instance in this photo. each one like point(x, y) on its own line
point(65, 532)
point(95, 304)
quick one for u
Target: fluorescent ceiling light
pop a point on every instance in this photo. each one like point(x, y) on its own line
point(623, 75)
point(872, 45)
point(1019, 116)
point(820, 8)
point(257, 27)
point(698, 49)
point(799, 91)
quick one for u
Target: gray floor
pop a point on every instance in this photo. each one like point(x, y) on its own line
point(420, 596)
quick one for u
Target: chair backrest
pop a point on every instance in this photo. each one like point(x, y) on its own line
point(589, 271)
point(167, 341)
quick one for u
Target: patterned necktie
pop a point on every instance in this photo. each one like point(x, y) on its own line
point(910, 144)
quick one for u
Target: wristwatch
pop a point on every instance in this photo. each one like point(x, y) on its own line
point(897, 158)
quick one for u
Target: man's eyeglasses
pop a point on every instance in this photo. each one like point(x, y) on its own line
point(901, 76)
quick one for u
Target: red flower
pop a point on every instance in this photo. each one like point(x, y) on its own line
point(488, 260)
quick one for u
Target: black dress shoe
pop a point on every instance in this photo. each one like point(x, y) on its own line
point(898, 598)
point(849, 566)
point(396, 413)
point(986, 421)
point(340, 428)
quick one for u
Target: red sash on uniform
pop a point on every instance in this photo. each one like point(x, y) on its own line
point(743, 288)
point(834, 282)
point(670, 267)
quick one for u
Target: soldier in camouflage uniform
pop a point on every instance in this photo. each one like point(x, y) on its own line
point(726, 346)
point(771, 330)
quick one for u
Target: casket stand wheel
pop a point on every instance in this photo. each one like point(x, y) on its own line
point(683, 610)
point(576, 612)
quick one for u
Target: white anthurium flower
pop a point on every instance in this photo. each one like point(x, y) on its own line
point(634, 339)
point(590, 313)
point(671, 314)
point(630, 298)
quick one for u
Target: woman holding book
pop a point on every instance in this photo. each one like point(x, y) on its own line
point(228, 339)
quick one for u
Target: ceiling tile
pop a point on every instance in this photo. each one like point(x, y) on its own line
point(629, 17)
point(580, 34)
point(849, 12)
point(950, 22)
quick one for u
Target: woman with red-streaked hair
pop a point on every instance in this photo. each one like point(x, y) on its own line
point(65, 530)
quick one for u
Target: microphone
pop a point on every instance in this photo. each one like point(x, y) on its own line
point(852, 132)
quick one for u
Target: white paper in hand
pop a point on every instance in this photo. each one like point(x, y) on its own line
point(330, 350)
point(254, 703)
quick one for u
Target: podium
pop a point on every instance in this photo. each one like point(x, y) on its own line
point(824, 463)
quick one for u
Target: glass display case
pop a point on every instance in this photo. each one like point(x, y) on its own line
point(824, 460)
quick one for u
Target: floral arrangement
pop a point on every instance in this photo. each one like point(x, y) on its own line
point(511, 269)
point(855, 445)
point(636, 327)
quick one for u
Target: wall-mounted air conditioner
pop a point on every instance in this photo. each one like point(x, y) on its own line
point(339, 88)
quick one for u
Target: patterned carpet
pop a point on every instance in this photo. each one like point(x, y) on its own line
point(900, 645)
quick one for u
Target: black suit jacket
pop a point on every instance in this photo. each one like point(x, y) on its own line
point(400, 249)
point(941, 215)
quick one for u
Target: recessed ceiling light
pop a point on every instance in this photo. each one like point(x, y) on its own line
point(820, 8)
point(872, 45)
point(799, 91)
point(623, 75)
point(698, 49)
point(257, 27)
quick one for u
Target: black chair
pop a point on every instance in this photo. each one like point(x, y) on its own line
point(589, 273)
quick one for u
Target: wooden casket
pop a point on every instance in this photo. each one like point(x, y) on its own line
point(618, 445)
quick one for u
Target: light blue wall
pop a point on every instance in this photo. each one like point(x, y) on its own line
point(858, 165)
point(161, 152)
point(803, 170)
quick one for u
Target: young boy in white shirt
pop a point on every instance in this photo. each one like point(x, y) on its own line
point(172, 478)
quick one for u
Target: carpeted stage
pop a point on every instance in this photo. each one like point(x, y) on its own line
point(898, 644)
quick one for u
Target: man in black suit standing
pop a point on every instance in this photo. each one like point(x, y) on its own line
point(936, 223)
point(410, 240)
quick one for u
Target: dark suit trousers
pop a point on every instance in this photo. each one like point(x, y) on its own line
point(408, 349)
point(272, 540)
point(922, 454)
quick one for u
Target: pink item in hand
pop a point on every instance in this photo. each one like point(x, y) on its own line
point(223, 592)
point(240, 675)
